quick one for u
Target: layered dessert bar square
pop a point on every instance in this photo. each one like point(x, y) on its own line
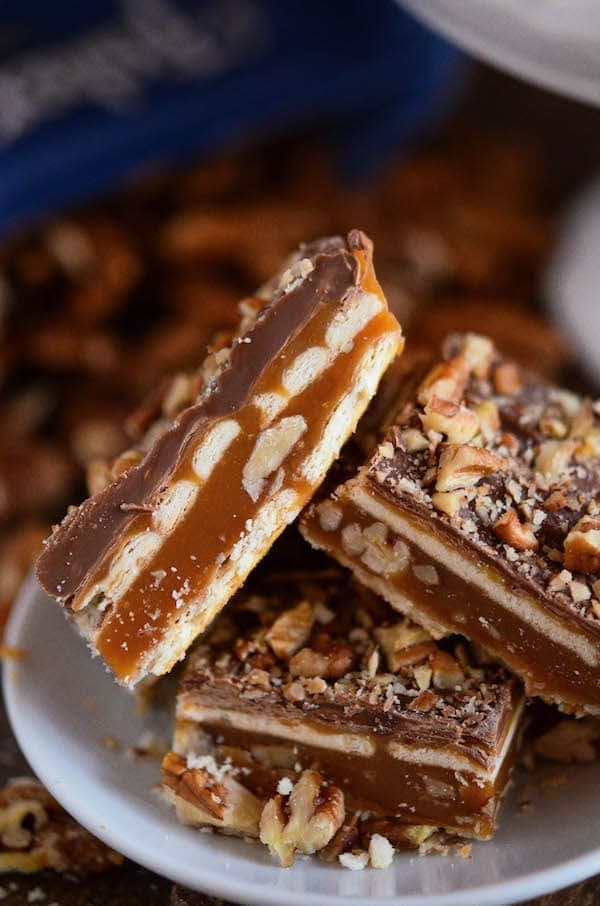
point(318, 676)
point(479, 514)
point(144, 565)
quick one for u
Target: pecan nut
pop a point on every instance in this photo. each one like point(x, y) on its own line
point(459, 423)
point(404, 644)
point(291, 630)
point(327, 657)
point(462, 466)
point(582, 546)
point(447, 672)
point(511, 530)
point(446, 380)
point(206, 794)
point(303, 821)
point(478, 352)
point(507, 379)
point(553, 458)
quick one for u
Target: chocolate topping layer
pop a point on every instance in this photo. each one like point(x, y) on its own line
point(546, 476)
point(461, 704)
point(88, 532)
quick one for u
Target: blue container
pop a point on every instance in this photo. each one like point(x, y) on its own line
point(90, 92)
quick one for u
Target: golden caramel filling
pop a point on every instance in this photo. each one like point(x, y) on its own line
point(215, 492)
point(549, 668)
point(382, 784)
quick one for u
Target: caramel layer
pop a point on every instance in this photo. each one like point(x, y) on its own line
point(178, 534)
point(410, 791)
point(550, 669)
point(223, 510)
point(89, 532)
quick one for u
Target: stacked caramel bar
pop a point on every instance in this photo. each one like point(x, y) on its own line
point(479, 513)
point(349, 713)
point(315, 700)
point(145, 564)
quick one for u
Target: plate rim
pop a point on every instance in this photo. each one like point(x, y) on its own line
point(498, 53)
point(219, 883)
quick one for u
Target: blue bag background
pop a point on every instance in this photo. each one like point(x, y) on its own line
point(90, 91)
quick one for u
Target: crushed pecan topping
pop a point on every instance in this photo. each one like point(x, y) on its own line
point(523, 488)
point(362, 659)
point(553, 458)
point(447, 381)
point(451, 502)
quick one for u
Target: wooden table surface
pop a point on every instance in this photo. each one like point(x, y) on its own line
point(571, 133)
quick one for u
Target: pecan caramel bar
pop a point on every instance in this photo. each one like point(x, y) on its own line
point(479, 513)
point(145, 564)
point(321, 675)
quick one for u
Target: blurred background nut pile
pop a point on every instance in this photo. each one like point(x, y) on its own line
point(98, 305)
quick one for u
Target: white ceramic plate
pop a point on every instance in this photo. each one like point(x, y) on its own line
point(62, 702)
point(572, 283)
point(555, 43)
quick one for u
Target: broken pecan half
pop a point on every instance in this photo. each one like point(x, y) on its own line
point(303, 821)
point(582, 546)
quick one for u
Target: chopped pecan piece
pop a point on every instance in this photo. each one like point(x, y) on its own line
point(413, 440)
point(582, 546)
point(404, 644)
point(583, 420)
point(447, 673)
point(489, 418)
point(458, 423)
point(291, 630)
point(507, 379)
point(205, 796)
point(425, 701)
point(478, 352)
point(406, 657)
point(327, 657)
point(303, 821)
point(446, 380)
point(553, 458)
point(451, 502)
point(511, 530)
point(462, 466)
point(422, 674)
